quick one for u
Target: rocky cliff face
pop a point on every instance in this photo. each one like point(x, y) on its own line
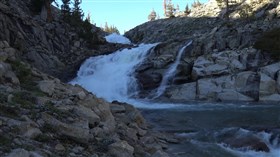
point(55, 47)
point(221, 64)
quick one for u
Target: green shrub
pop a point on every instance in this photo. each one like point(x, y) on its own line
point(86, 33)
point(270, 42)
point(24, 74)
point(32, 87)
point(25, 99)
point(22, 71)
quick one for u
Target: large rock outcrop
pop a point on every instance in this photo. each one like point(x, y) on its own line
point(221, 63)
point(41, 116)
point(240, 75)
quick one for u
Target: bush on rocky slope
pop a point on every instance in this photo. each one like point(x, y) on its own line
point(270, 42)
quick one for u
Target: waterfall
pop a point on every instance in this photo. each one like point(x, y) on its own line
point(170, 73)
point(111, 76)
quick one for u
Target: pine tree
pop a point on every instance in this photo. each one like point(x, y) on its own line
point(170, 10)
point(187, 10)
point(110, 29)
point(106, 28)
point(196, 4)
point(158, 17)
point(224, 4)
point(49, 10)
point(66, 10)
point(77, 11)
point(164, 7)
point(37, 5)
point(47, 4)
point(177, 8)
point(89, 18)
point(114, 29)
point(152, 16)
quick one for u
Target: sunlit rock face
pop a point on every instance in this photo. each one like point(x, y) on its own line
point(220, 49)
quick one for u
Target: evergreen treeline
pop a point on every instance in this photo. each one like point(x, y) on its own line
point(110, 29)
point(152, 16)
point(71, 15)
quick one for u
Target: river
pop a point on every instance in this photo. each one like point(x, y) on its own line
point(205, 129)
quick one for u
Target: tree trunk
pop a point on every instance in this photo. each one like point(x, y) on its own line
point(49, 11)
point(164, 7)
point(227, 10)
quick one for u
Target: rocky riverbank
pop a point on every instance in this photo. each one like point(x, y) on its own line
point(222, 64)
point(42, 116)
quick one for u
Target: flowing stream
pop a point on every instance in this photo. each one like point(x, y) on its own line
point(206, 129)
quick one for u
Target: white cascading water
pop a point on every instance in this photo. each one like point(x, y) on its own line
point(111, 76)
point(169, 74)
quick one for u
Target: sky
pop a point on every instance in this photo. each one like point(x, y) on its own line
point(126, 14)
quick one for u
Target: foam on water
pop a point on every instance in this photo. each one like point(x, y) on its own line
point(273, 145)
point(111, 76)
point(116, 38)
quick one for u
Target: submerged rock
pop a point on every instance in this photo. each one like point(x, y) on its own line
point(244, 139)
